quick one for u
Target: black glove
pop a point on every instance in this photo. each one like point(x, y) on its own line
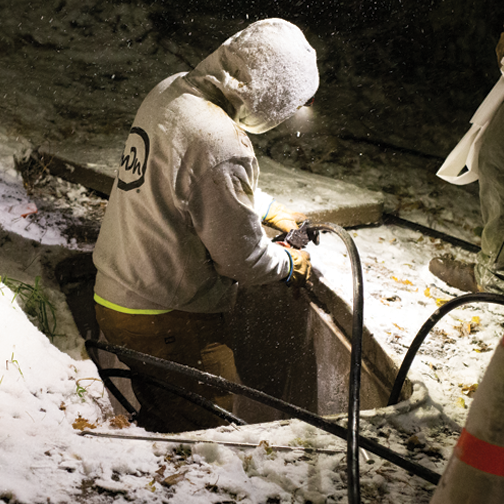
point(299, 238)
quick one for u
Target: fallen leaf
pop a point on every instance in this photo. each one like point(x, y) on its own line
point(82, 423)
point(119, 422)
point(483, 347)
point(461, 403)
point(413, 443)
point(404, 282)
point(466, 328)
point(393, 298)
point(266, 447)
point(470, 390)
point(173, 479)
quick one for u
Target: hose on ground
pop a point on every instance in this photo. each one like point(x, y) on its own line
point(482, 297)
point(457, 242)
point(287, 408)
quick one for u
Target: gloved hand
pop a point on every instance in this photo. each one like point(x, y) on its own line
point(301, 267)
point(283, 219)
point(499, 50)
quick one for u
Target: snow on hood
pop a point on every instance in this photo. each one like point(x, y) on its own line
point(261, 75)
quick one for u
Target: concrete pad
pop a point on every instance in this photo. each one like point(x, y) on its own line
point(77, 173)
point(332, 201)
point(100, 153)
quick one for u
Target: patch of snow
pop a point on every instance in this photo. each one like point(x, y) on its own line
point(90, 69)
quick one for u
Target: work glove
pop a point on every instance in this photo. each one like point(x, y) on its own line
point(283, 219)
point(499, 50)
point(301, 267)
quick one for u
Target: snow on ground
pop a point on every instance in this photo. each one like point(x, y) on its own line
point(48, 395)
point(80, 73)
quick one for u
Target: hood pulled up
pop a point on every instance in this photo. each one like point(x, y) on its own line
point(261, 75)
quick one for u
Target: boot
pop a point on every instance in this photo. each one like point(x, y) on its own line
point(457, 274)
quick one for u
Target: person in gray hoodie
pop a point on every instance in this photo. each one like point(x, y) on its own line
point(183, 226)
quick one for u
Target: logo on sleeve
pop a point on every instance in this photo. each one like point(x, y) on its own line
point(134, 160)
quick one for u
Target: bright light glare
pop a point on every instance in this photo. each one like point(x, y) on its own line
point(303, 120)
point(304, 114)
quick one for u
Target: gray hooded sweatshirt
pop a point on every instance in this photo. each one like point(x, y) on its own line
point(182, 225)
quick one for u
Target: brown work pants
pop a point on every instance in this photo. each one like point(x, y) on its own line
point(194, 339)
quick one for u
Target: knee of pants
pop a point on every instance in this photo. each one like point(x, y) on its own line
point(218, 359)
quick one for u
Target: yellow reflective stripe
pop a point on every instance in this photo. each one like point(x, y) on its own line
point(122, 309)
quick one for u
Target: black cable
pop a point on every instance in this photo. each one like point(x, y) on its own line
point(484, 297)
point(290, 409)
point(105, 375)
point(355, 371)
point(180, 391)
point(195, 398)
point(93, 354)
point(457, 242)
point(355, 361)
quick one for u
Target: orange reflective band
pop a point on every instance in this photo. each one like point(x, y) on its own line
point(479, 454)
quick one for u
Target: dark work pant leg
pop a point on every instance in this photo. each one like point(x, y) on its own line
point(490, 263)
point(197, 340)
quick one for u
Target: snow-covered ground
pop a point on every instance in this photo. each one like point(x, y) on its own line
point(73, 74)
point(49, 391)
